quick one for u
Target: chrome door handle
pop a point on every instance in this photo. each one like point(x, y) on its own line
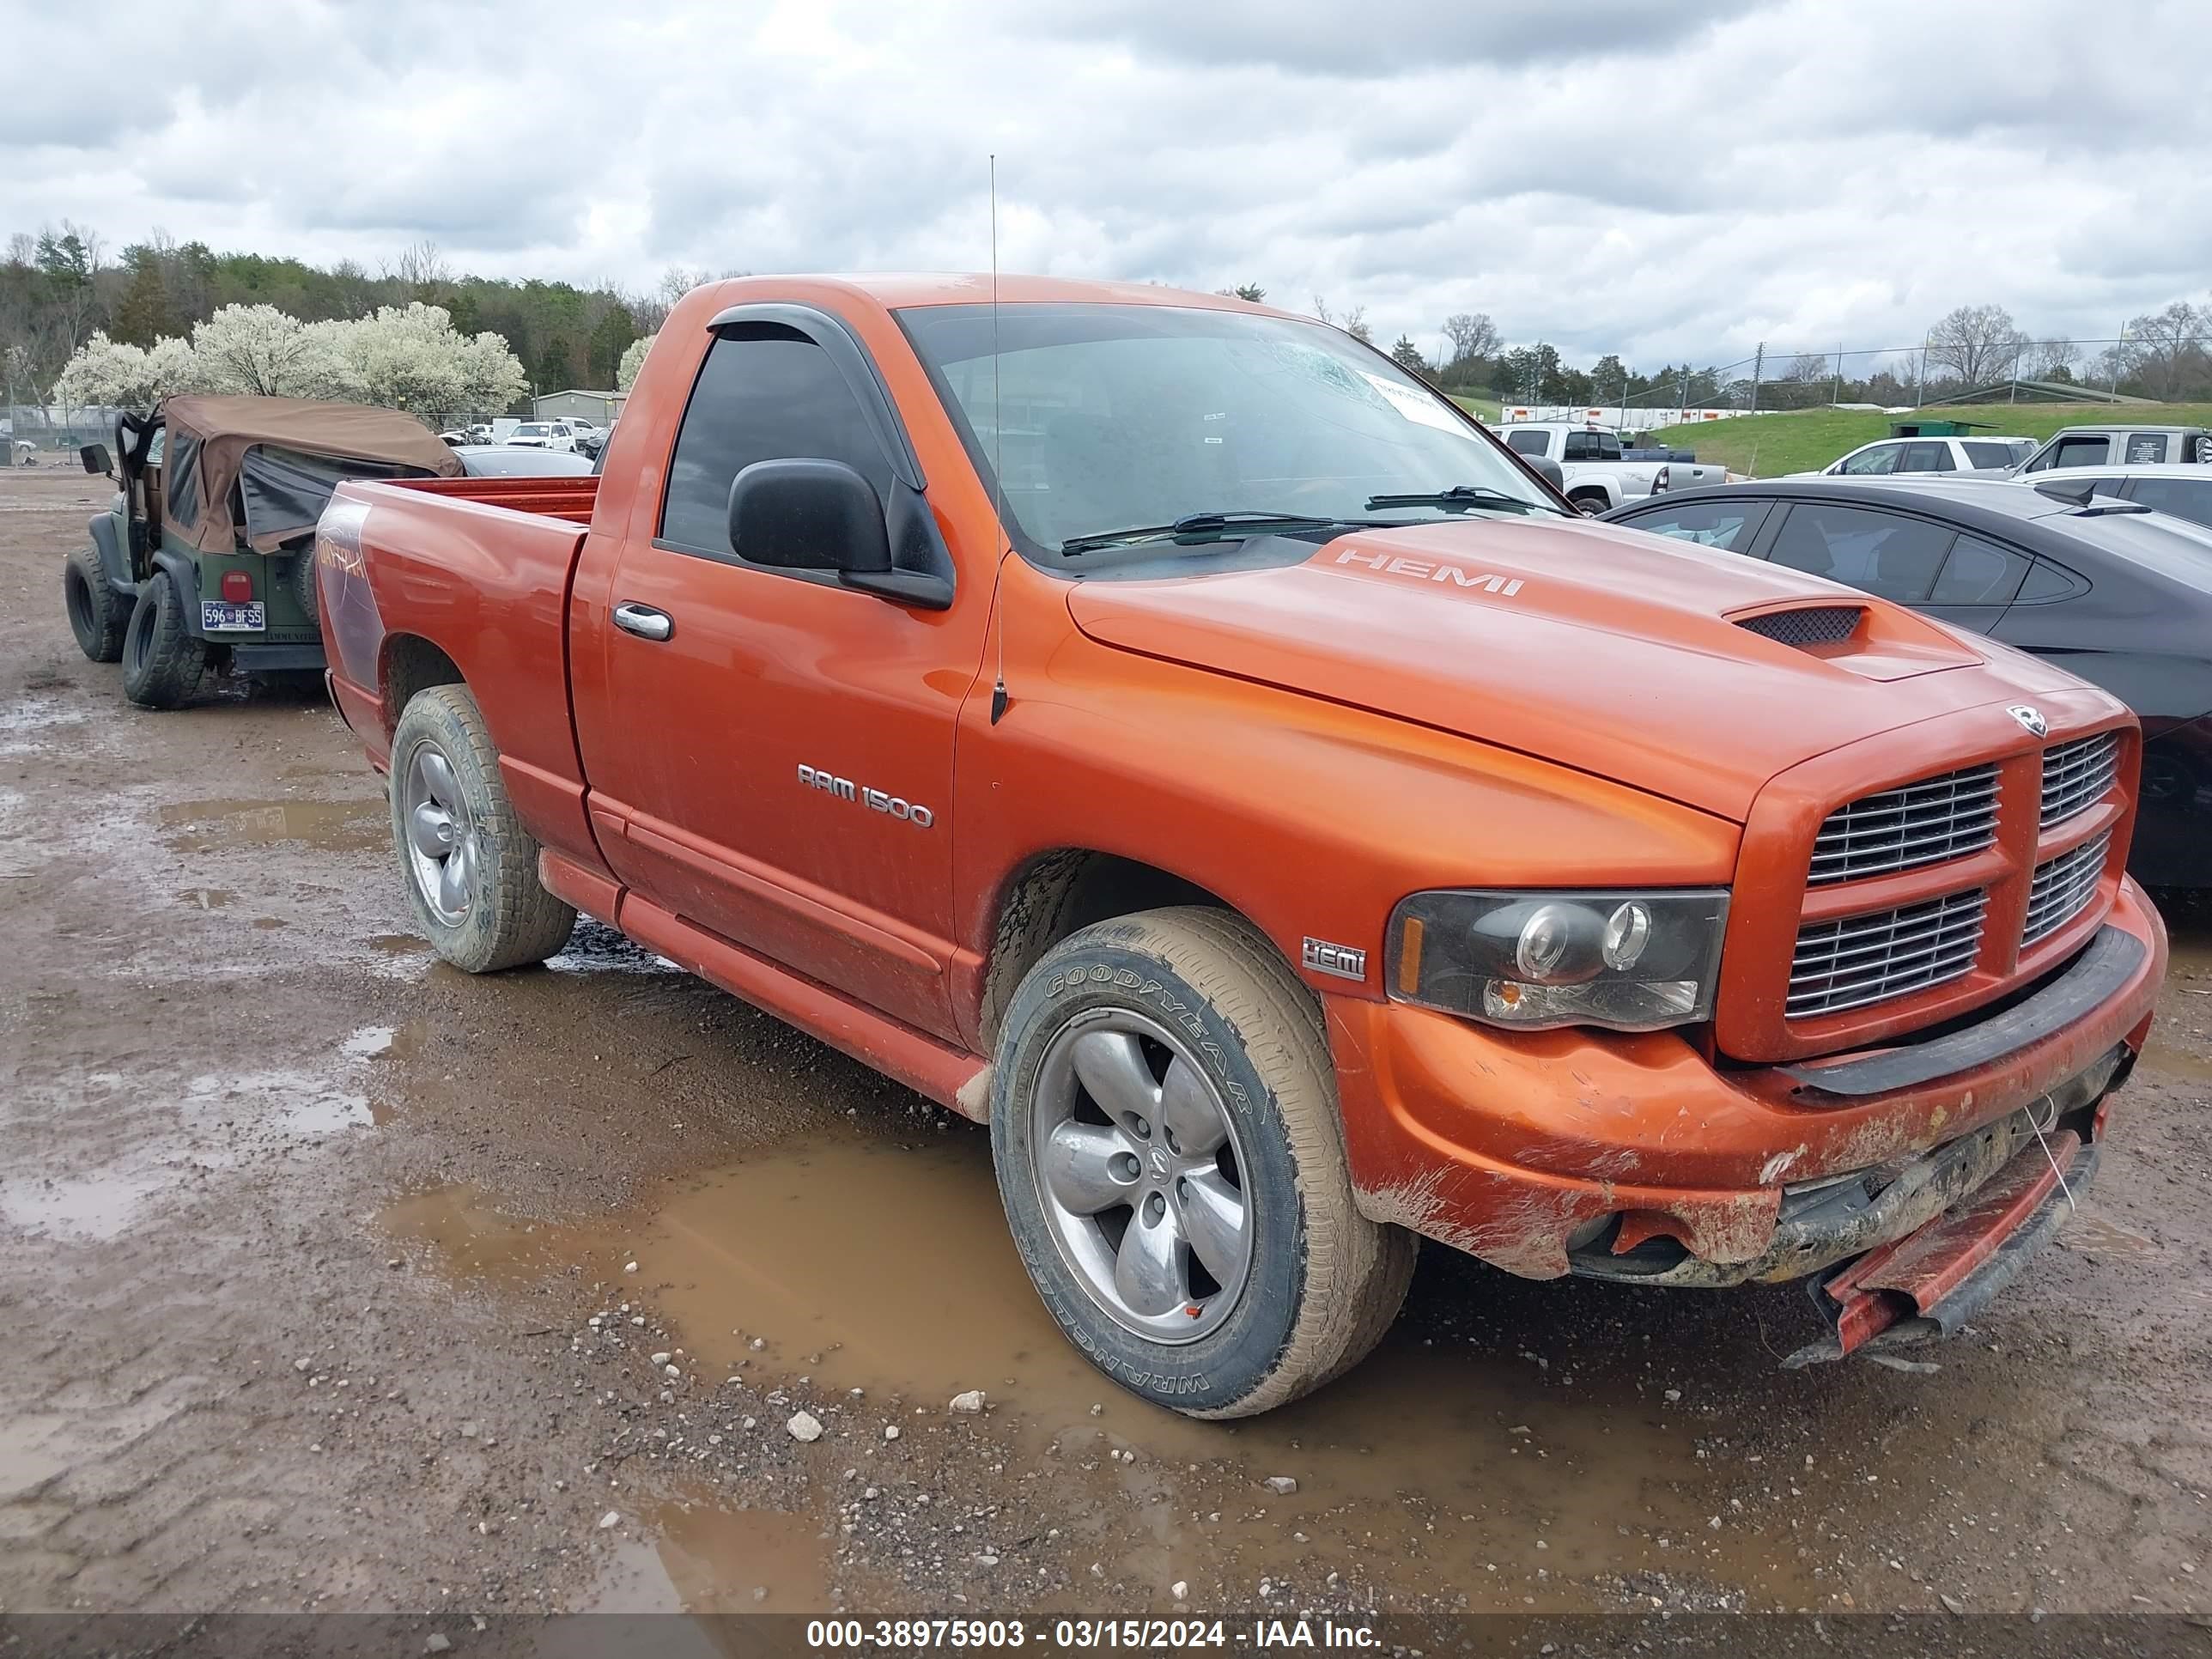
point(644, 621)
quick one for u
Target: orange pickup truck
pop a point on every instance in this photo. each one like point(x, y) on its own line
point(1159, 727)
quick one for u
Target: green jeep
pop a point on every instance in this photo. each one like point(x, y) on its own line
point(205, 561)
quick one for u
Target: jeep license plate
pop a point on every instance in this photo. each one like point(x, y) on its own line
point(221, 616)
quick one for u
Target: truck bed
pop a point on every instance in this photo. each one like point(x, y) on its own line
point(569, 498)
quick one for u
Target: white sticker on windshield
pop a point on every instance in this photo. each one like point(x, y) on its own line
point(1414, 405)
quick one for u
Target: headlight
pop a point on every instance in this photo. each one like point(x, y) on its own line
point(1635, 962)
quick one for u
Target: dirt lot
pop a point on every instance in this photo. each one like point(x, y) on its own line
point(335, 1280)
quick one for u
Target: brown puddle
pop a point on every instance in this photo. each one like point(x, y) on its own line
point(335, 826)
point(704, 1559)
point(2167, 1060)
point(2092, 1235)
point(1445, 1465)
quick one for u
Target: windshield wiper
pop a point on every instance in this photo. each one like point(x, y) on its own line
point(1239, 519)
point(1462, 498)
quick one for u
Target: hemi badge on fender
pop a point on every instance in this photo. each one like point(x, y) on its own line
point(1341, 960)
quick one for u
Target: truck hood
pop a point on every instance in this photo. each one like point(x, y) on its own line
point(1608, 650)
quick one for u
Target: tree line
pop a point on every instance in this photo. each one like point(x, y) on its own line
point(60, 285)
point(2164, 355)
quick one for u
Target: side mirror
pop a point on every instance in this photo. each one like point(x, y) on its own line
point(1549, 470)
point(95, 459)
point(808, 515)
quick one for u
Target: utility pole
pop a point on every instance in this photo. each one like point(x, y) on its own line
point(1920, 386)
point(1837, 395)
point(1757, 364)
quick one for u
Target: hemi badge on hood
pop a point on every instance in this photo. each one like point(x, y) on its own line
point(1344, 960)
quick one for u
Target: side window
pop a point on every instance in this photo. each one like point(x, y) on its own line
point(1581, 446)
point(1527, 443)
point(764, 393)
point(2048, 581)
point(2090, 449)
point(1883, 553)
point(1926, 458)
point(1728, 524)
point(2184, 498)
point(1988, 454)
point(1609, 446)
point(1873, 459)
point(184, 483)
point(2146, 449)
point(1979, 573)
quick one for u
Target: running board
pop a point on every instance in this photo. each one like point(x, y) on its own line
point(954, 1080)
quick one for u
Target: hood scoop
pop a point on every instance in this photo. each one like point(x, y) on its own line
point(1807, 626)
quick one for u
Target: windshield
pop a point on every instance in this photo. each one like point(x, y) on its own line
point(1109, 418)
point(527, 431)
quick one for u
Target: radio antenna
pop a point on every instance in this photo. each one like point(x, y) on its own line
point(997, 452)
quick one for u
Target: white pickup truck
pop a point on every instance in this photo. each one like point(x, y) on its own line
point(1596, 478)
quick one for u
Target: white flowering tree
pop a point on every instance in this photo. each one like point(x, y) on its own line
point(632, 360)
point(258, 350)
point(405, 357)
point(113, 375)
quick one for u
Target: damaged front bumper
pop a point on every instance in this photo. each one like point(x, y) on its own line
point(1818, 1224)
point(1634, 1157)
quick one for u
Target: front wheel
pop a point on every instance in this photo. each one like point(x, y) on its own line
point(1163, 1127)
point(98, 615)
point(470, 867)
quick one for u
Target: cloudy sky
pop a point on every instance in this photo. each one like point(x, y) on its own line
point(1663, 178)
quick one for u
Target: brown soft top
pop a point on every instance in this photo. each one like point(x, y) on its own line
point(225, 429)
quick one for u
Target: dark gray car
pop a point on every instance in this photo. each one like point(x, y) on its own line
point(2106, 589)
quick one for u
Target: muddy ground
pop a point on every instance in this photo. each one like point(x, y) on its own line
point(333, 1278)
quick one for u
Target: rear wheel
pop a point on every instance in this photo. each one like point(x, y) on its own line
point(470, 867)
point(162, 660)
point(98, 615)
point(1588, 502)
point(1163, 1126)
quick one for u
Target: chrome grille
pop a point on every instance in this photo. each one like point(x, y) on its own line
point(1863, 959)
point(1924, 823)
point(2076, 775)
point(2061, 887)
point(1819, 624)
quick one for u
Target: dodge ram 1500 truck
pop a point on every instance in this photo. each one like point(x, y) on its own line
point(1161, 729)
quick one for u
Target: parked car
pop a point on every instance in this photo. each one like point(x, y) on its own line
point(545, 435)
point(453, 437)
point(2121, 445)
point(2184, 492)
point(203, 562)
point(1353, 841)
point(1906, 457)
point(520, 461)
point(591, 442)
point(1597, 474)
point(2110, 591)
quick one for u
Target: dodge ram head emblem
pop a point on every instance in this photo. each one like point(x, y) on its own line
point(2030, 717)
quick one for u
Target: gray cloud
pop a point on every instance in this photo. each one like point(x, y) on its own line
point(1664, 181)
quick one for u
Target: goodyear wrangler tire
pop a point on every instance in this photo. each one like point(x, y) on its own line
point(470, 866)
point(1163, 1127)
